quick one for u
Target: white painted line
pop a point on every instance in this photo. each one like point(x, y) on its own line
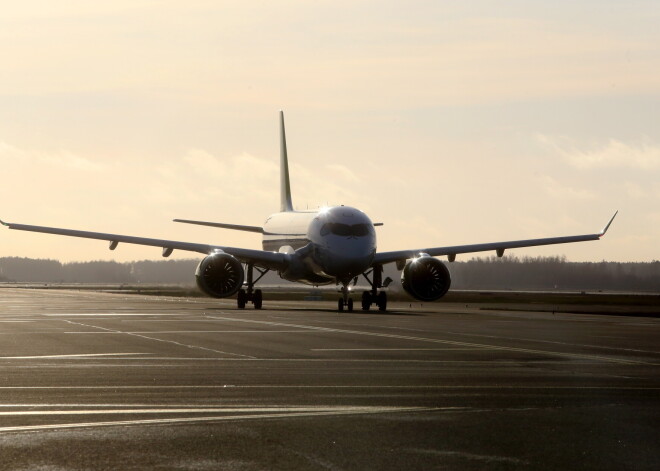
point(298, 331)
point(446, 342)
point(331, 386)
point(110, 314)
point(556, 342)
point(77, 355)
point(199, 410)
point(166, 407)
point(164, 341)
point(222, 418)
point(391, 349)
point(331, 360)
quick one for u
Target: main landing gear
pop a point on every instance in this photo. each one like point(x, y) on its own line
point(379, 298)
point(249, 294)
point(374, 296)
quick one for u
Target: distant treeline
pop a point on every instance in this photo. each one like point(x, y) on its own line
point(507, 273)
point(51, 271)
point(550, 273)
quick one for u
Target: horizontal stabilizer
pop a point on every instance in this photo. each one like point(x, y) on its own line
point(222, 225)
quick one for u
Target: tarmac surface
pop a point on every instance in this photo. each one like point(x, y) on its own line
point(107, 381)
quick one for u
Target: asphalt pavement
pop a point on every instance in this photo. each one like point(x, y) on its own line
point(96, 381)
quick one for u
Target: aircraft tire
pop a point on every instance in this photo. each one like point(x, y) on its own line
point(350, 305)
point(366, 300)
point(241, 299)
point(382, 301)
point(340, 304)
point(257, 300)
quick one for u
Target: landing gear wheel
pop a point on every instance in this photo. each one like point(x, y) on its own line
point(257, 299)
point(350, 305)
point(340, 304)
point(366, 300)
point(241, 299)
point(382, 301)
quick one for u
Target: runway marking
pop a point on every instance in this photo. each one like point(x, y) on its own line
point(468, 456)
point(446, 342)
point(196, 410)
point(164, 341)
point(390, 349)
point(78, 355)
point(273, 413)
point(333, 386)
point(303, 331)
point(556, 342)
point(110, 314)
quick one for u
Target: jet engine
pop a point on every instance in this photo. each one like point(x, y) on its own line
point(425, 278)
point(219, 275)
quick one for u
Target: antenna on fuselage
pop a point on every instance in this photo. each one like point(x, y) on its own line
point(285, 185)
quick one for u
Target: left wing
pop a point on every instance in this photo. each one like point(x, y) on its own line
point(271, 260)
point(499, 247)
point(223, 225)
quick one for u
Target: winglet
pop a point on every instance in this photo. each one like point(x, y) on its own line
point(602, 233)
point(4, 223)
point(285, 186)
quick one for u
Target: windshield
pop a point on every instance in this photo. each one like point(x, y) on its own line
point(336, 228)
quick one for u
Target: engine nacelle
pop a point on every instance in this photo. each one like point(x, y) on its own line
point(425, 278)
point(219, 275)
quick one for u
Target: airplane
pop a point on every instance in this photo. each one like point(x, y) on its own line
point(329, 245)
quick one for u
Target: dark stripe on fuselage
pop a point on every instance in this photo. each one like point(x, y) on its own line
point(275, 244)
point(283, 234)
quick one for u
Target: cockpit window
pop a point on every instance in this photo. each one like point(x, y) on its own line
point(344, 230)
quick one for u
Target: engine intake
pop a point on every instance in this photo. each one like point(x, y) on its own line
point(219, 275)
point(425, 278)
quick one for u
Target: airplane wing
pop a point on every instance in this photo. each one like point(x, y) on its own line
point(498, 247)
point(262, 258)
point(223, 225)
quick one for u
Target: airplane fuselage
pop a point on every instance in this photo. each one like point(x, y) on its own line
point(330, 245)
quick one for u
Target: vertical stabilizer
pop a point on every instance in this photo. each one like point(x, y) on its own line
point(285, 186)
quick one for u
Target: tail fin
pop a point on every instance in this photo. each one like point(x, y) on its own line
point(285, 186)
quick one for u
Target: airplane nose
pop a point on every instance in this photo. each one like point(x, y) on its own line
point(347, 264)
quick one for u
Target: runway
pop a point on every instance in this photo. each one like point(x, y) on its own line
point(110, 381)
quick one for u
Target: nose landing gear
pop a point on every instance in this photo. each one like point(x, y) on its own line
point(345, 301)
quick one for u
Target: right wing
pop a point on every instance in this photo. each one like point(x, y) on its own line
point(499, 247)
point(262, 258)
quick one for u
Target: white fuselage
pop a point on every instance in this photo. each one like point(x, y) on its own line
point(330, 245)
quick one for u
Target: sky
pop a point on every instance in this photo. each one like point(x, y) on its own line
point(449, 122)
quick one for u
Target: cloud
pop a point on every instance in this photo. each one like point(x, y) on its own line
point(560, 191)
point(204, 163)
point(58, 159)
point(344, 172)
point(612, 154)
